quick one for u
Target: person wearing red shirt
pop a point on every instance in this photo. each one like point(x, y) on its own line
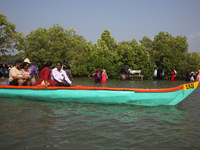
point(45, 76)
point(172, 77)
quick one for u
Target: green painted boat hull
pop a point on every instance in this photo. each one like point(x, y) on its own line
point(100, 96)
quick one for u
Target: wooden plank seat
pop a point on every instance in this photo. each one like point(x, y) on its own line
point(135, 74)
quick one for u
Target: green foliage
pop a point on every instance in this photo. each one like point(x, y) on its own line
point(59, 44)
point(192, 61)
point(8, 58)
point(109, 40)
point(43, 45)
point(7, 34)
point(103, 58)
point(168, 53)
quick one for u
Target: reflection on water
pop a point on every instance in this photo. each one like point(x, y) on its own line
point(28, 124)
point(91, 126)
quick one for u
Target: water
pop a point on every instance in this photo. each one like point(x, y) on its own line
point(28, 124)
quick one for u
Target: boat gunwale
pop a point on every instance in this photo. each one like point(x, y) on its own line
point(80, 87)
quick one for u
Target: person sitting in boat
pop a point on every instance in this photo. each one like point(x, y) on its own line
point(68, 72)
point(60, 76)
point(33, 72)
point(97, 76)
point(16, 75)
point(1, 72)
point(26, 72)
point(45, 76)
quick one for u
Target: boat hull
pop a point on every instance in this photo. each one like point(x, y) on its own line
point(106, 96)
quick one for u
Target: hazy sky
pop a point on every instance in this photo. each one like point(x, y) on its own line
point(125, 19)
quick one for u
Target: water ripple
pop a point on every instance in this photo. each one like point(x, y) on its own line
point(28, 124)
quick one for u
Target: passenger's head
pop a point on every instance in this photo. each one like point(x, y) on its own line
point(25, 65)
point(18, 64)
point(59, 65)
point(68, 67)
point(97, 70)
point(48, 64)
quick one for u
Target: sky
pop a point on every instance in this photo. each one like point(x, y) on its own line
point(125, 19)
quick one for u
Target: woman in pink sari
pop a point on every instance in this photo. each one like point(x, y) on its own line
point(103, 76)
point(198, 76)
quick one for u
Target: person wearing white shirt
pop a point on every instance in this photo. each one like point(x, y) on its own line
point(155, 74)
point(60, 76)
point(174, 74)
point(163, 73)
point(192, 76)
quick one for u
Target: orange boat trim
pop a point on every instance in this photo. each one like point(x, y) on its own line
point(81, 87)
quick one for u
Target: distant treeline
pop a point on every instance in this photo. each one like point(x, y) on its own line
point(59, 44)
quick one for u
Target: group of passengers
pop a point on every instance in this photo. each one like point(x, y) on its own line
point(4, 71)
point(24, 74)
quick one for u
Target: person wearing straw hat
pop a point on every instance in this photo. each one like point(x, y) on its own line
point(33, 72)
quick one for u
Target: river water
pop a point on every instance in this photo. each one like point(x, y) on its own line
point(28, 124)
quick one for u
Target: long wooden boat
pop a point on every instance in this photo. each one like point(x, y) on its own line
point(87, 94)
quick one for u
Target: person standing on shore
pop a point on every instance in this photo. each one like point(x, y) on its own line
point(104, 76)
point(172, 76)
point(198, 76)
point(188, 76)
point(96, 76)
point(155, 74)
point(163, 73)
point(192, 76)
